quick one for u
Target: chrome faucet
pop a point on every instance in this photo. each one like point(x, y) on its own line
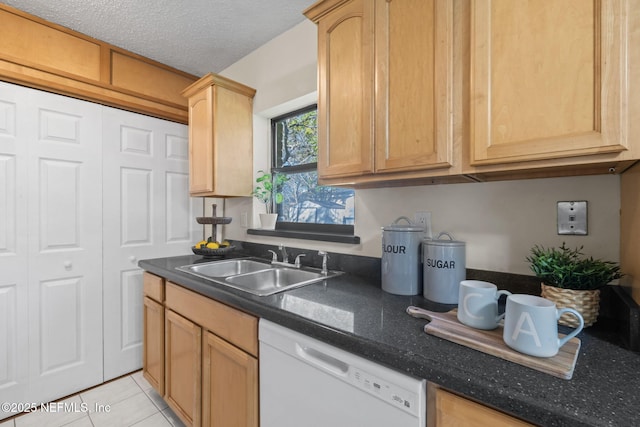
point(285, 258)
point(324, 256)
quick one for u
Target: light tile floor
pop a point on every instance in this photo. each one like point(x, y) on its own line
point(125, 402)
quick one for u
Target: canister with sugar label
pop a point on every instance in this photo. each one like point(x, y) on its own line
point(444, 268)
point(401, 269)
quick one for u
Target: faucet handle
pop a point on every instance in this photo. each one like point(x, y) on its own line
point(274, 256)
point(324, 256)
point(283, 251)
point(297, 262)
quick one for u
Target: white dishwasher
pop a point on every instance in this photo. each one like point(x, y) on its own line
point(305, 382)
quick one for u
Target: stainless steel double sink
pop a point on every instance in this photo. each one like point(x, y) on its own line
point(255, 276)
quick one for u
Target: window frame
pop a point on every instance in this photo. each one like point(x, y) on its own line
point(342, 233)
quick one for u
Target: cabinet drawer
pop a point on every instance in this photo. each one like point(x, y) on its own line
point(153, 286)
point(238, 328)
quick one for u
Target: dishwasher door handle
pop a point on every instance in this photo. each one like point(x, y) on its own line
point(322, 360)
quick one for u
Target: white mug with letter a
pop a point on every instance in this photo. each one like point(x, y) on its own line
point(478, 304)
point(531, 325)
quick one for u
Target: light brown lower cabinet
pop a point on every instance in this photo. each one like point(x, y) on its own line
point(229, 385)
point(153, 331)
point(182, 367)
point(201, 356)
point(445, 409)
point(153, 346)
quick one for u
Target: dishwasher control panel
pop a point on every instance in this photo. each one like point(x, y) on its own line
point(390, 393)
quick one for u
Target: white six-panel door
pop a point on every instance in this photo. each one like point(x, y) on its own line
point(65, 247)
point(57, 212)
point(147, 214)
point(13, 248)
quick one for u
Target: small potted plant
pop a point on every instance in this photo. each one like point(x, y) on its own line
point(267, 191)
point(570, 279)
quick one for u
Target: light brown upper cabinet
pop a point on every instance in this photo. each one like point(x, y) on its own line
point(413, 92)
point(385, 89)
point(548, 79)
point(345, 83)
point(220, 137)
point(43, 55)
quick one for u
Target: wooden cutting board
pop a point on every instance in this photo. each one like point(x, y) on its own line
point(447, 326)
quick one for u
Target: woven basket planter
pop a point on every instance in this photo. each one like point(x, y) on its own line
point(586, 303)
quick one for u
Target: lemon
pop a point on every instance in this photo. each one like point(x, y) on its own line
point(225, 243)
point(213, 245)
point(199, 245)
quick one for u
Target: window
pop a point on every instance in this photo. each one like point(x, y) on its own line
point(306, 206)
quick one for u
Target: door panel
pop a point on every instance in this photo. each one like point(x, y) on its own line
point(130, 288)
point(59, 210)
point(135, 205)
point(148, 214)
point(60, 324)
point(179, 225)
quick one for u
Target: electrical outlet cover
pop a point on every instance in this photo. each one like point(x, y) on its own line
point(572, 218)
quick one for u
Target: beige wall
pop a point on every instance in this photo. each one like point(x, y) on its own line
point(500, 221)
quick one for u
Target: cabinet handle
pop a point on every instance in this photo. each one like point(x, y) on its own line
point(133, 258)
point(68, 265)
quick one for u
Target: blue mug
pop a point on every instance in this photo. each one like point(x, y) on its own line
point(478, 304)
point(531, 325)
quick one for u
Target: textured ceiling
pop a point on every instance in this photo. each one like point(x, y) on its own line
point(196, 36)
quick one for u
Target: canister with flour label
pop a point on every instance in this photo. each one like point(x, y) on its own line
point(401, 269)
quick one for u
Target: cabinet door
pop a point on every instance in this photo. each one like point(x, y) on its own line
point(229, 385)
point(345, 90)
point(147, 214)
point(414, 66)
point(201, 141)
point(548, 79)
point(153, 345)
point(183, 344)
point(451, 410)
point(220, 137)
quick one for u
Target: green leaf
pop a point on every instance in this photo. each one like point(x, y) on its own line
point(568, 268)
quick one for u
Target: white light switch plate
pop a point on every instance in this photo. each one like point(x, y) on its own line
point(572, 218)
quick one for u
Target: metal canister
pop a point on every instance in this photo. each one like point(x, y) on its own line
point(444, 268)
point(401, 270)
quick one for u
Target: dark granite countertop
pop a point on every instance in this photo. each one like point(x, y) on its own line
point(355, 314)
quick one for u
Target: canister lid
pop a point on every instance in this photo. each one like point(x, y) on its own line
point(443, 242)
point(395, 226)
